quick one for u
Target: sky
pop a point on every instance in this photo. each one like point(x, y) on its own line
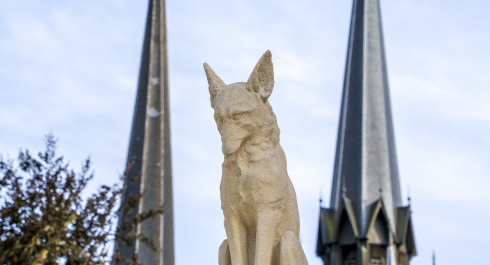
point(70, 68)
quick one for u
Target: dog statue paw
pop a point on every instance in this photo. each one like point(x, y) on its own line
point(257, 197)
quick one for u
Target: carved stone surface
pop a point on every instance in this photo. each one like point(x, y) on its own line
point(257, 197)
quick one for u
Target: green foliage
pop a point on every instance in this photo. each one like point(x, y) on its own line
point(45, 220)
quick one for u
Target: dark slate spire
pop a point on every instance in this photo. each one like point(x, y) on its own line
point(365, 217)
point(149, 159)
point(366, 155)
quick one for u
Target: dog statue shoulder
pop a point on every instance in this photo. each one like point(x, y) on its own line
point(257, 196)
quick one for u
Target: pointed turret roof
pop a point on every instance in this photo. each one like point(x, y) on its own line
point(366, 163)
point(149, 161)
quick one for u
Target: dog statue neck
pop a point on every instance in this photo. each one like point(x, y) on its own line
point(263, 143)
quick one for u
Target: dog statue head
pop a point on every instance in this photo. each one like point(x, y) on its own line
point(241, 110)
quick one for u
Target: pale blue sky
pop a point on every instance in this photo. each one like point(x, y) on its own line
point(70, 68)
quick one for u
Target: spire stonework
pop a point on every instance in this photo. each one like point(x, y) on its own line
point(149, 169)
point(366, 223)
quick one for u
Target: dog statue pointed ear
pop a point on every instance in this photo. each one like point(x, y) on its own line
point(261, 81)
point(215, 83)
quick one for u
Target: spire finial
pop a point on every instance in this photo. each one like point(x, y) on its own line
point(409, 198)
point(321, 197)
point(433, 257)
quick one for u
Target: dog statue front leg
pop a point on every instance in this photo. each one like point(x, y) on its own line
point(290, 250)
point(237, 241)
point(266, 230)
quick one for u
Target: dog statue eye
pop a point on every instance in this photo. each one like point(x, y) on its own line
point(238, 116)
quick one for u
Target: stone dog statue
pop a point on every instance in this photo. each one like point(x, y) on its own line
point(257, 197)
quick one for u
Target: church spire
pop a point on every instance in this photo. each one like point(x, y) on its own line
point(149, 160)
point(366, 155)
point(365, 205)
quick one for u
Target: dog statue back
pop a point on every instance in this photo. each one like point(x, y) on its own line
point(257, 197)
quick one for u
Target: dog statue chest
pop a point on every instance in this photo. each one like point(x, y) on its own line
point(251, 182)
